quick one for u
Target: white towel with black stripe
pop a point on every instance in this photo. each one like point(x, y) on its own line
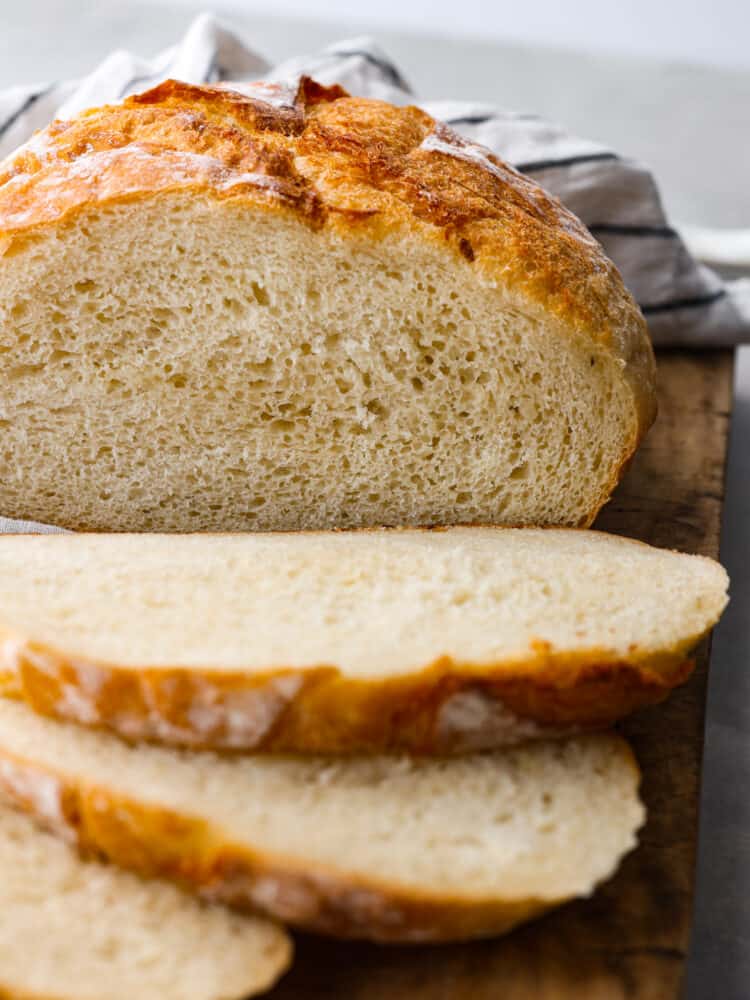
point(684, 302)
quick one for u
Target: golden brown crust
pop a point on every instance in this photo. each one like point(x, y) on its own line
point(361, 167)
point(158, 843)
point(446, 708)
point(13, 993)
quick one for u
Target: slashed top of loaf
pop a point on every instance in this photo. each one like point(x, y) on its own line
point(362, 167)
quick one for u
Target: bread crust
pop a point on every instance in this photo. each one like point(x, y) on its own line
point(157, 842)
point(361, 168)
point(13, 993)
point(446, 708)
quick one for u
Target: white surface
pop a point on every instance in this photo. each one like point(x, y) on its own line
point(720, 247)
point(714, 33)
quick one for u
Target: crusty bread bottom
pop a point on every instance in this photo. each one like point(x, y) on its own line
point(388, 848)
point(448, 708)
point(429, 641)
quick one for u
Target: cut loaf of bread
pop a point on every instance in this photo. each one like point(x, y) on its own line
point(432, 641)
point(77, 930)
point(259, 308)
point(391, 848)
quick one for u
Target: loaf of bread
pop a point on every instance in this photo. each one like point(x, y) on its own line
point(432, 641)
point(77, 930)
point(390, 848)
point(266, 308)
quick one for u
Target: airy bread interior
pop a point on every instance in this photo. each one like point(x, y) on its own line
point(548, 821)
point(375, 604)
point(75, 930)
point(184, 363)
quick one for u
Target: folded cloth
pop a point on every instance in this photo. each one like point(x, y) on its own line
point(685, 303)
point(12, 526)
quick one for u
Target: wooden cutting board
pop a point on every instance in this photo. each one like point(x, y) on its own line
point(630, 939)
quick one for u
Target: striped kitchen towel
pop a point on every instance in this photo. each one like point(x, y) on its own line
point(684, 302)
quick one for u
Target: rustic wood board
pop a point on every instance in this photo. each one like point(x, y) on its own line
point(631, 938)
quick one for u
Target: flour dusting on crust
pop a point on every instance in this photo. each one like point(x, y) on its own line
point(474, 720)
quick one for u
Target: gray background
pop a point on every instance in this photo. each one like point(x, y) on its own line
point(691, 124)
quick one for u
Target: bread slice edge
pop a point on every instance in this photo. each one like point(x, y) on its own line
point(446, 707)
point(157, 842)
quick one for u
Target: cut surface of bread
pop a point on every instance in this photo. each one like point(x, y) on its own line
point(83, 930)
point(390, 847)
point(435, 641)
point(284, 310)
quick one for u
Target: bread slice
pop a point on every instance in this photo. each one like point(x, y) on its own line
point(432, 641)
point(261, 308)
point(391, 848)
point(76, 930)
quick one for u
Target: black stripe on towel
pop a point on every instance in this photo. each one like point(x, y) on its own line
point(470, 120)
point(621, 229)
point(691, 303)
point(385, 67)
point(566, 161)
point(493, 117)
point(213, 73)
point(25, 105)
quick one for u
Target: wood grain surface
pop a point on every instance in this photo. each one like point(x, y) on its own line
point(631, 938)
